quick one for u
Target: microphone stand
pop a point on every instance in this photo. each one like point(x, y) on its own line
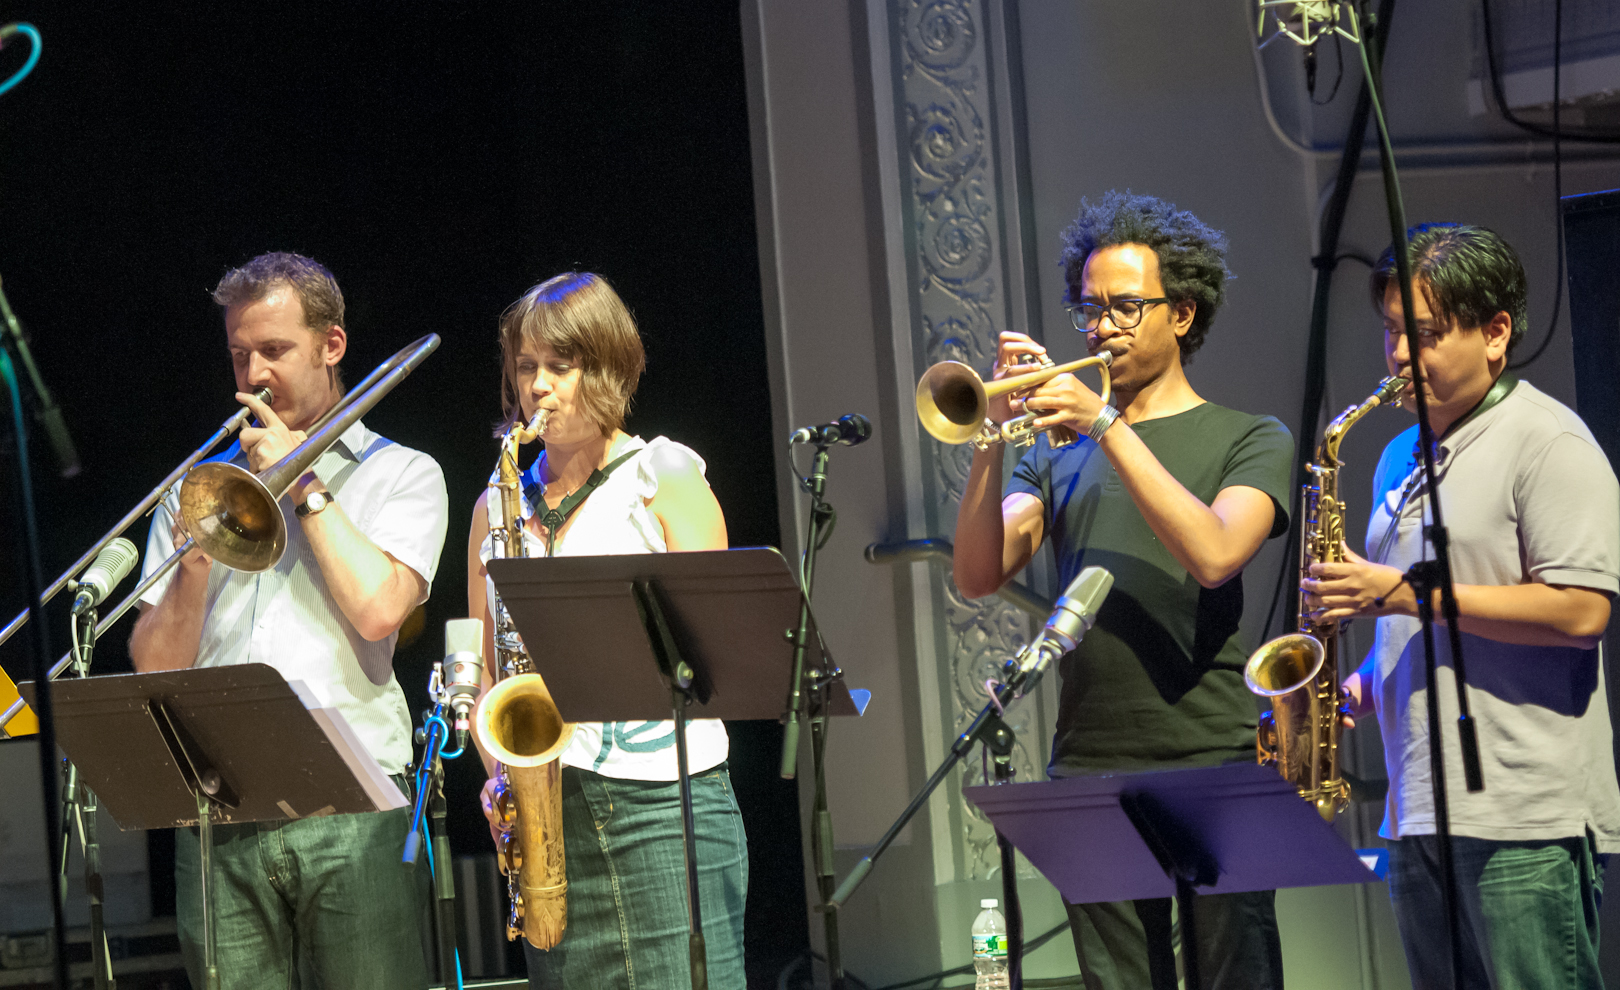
point(42, 647)
point(990, 728)
point(1429, 575)
point(822, 518)
point(431, 806)
point(79, 811)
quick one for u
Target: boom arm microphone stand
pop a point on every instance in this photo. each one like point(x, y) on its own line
point(1071, 619)
point(1426, 576)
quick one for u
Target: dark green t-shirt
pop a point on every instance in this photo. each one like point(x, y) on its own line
point(1159, 680)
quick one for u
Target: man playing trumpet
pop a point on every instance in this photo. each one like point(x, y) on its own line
point(1175, 496)
point(325, 896)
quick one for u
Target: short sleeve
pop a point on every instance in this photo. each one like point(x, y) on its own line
point(1263, 458)
point(1569, 512)
point(661, 448)
point(1033, 474)
point(413, 520)
point(159, 547)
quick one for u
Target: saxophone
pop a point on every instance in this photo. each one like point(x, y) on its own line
point(1299, 672)
point(519, 726)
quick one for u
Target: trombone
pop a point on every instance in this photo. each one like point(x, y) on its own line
point(227, 511)
point(152, 498)
point(953, 402)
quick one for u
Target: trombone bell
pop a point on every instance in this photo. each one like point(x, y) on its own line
point(233, 517)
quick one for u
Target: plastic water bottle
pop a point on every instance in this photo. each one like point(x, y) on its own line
point(990, 947)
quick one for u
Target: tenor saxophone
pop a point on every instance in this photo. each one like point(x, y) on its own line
point(1299, 672)
point(519, 726)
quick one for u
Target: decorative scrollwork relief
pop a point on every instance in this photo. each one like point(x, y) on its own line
point(951, 184)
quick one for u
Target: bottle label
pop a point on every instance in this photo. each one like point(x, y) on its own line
point(989, 946)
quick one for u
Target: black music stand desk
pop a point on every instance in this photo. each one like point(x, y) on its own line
point(649, 636)
point(1163, 833)
point(227, 744)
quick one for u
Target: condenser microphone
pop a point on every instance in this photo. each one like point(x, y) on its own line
point(463, 670)
point(111, 566)
point(1072, 617)
point(849, 430)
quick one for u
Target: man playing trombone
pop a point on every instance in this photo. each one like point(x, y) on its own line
point(1175, 496)
point(326, 896)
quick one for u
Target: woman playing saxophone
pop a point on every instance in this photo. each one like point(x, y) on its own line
point(570, 350)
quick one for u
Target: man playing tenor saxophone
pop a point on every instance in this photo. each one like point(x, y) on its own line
point(1533, 511)
point(325, 896)
point(1175, 496)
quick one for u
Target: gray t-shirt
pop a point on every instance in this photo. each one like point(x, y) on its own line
point(1528, 496)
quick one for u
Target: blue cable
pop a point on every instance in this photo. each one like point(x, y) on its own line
point(33, 54)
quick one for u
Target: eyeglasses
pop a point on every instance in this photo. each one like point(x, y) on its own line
point(1124, 313)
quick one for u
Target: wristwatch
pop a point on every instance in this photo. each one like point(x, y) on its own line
point(313, 502)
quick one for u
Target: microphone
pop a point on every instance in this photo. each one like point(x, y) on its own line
point(1072, 617)
point(111, 566)
point(849, 430)
point(463, 670)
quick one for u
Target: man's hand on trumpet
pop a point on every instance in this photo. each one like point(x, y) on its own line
point(1016, 354)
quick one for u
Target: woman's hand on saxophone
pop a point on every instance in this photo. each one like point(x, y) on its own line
point(487, 801)
point(1356, 588)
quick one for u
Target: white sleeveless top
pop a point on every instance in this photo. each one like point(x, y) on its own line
point(615, 519)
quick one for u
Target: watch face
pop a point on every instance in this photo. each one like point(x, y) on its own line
point(313, 503)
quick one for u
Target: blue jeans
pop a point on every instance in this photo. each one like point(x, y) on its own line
point(323, 902)
point(627, 914)
point(1528, 911)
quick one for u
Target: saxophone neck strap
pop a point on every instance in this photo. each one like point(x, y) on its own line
point(554, 519)
point(1499, 390)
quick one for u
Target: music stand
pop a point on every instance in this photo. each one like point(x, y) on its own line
point(702, 635)
point(232, 744)
point(1163, 833)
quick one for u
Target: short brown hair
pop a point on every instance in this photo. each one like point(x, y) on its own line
point(581, 318)
point(317, 290)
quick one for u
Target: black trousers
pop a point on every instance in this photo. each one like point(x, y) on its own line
point(1125, 945)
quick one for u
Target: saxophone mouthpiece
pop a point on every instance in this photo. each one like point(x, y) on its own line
point(1392, 388)
point(535, 428)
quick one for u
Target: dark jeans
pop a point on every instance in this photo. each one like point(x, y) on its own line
point(322, 902)
point(1125, 945)
point(1529, 912)
point(627, 914)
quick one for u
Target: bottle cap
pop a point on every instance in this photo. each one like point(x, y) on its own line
point(989, 902)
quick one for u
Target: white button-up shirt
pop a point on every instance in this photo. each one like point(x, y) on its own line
point(286, 617)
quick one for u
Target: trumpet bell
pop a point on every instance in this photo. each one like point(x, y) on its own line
point(1284, 665)
point(951, 402)
point(518, 723)
point(233, 517)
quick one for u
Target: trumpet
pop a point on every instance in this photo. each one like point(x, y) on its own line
point(232, 514)
point(953, 402)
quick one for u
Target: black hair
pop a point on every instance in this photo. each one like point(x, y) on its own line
point(1468, 274)
point(1192, 254)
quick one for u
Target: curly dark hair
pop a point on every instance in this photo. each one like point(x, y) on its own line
point(1192, 254)
point(1468, 274)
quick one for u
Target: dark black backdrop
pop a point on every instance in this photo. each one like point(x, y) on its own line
point(440, 159)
